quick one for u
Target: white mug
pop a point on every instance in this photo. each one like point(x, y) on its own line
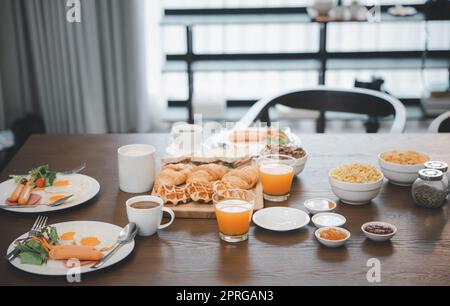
point(136, 168)
point(148, 220)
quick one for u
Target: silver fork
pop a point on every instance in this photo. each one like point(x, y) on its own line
point(35, 230)
point(74, 171)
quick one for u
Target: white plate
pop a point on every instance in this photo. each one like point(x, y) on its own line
point(105, 232)
point(281, 218)
point(83, 188)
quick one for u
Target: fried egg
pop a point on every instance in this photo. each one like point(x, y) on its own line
point(83, 239)
point(63, 187)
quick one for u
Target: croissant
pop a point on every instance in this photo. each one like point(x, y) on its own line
point(207, 173)
point(241, 178)
point(174, 174)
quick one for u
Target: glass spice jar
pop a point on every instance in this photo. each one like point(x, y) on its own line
point(429, 189)
point(438, 165)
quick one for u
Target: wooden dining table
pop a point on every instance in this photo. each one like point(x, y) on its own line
point(190, 252)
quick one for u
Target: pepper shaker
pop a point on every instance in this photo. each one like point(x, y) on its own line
point(438, 165)
point(429, 189)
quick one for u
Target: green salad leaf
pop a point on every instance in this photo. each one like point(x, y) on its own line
point(51, 235)
point(31, 258)
point(43, 172)
point(32, 252)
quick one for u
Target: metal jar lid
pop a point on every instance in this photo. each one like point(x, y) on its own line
point(434, 164)
point(431, 174)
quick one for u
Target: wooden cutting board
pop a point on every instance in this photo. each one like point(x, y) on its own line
point(194, 210)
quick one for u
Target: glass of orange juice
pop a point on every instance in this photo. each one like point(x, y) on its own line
point(234, 210)
point(276, 172)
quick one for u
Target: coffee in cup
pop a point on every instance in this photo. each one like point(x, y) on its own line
point(147, 213)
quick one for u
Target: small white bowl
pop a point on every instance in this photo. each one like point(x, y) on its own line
point(328, 219)
point(300, 164)
point(376, 237)
point(398, 174)
point(332, 243)
point(355, 193)
point(319, 205)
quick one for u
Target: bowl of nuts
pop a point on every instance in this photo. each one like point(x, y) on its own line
point(296, 152)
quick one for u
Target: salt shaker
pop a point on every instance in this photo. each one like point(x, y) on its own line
point(438, 165)
point(429, 190)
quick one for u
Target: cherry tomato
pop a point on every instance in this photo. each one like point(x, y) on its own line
point(40, 182)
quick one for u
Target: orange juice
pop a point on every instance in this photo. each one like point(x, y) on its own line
point(233, 216)
point(276, 178)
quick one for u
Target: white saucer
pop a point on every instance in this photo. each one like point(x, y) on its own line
point(281, 219)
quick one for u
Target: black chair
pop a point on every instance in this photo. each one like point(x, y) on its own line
point(441, 124)
point(356, 100)
point(22, 129)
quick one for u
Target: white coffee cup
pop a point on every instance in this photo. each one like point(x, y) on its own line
point(148, 220)
point(187, 137)
point(136, 168)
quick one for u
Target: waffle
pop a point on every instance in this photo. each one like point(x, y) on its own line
point(173, 194)
point(200, 192)
point(219, 186)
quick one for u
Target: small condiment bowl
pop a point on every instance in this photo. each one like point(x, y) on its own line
point(313, 205)
point(316, 219)
point(332, 243)
point(398, 174)
point(378, 237)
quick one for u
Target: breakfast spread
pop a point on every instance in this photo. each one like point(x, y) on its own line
point(229, 188)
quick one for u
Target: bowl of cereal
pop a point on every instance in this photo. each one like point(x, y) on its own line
point(355, 183)
point(402, 167)
point(296, 152)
